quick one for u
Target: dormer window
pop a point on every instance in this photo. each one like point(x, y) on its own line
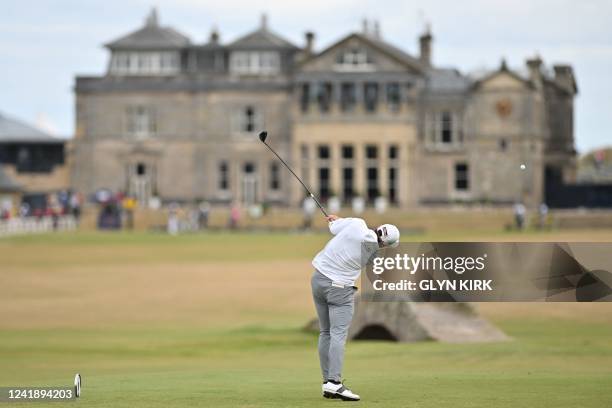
point(144, 63)
point(354, 59)
point(254, 62)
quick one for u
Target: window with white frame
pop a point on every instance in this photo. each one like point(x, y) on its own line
point(393, 96)
point(247, 119)
point(443, 129)
point(254, 62)
point(141, 121)
point(354, 59)
point(145, 63)
point(446, 127)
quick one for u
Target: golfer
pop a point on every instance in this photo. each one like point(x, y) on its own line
point(337, 267)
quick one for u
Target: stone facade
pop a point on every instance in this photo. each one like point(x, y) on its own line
point(179, 120)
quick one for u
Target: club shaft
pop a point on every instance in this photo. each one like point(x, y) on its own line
point(300, 180)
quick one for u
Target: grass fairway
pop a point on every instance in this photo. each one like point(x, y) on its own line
point(214, 320)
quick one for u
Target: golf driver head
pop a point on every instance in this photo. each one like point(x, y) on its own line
point(263, 135)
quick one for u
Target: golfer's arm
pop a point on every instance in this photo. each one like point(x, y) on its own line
point(338, 225)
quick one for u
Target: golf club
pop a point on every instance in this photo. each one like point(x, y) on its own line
point(262, 136)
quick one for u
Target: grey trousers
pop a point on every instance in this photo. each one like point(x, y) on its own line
point(335, 310)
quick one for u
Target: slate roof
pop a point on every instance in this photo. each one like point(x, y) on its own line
point(447, 80)
point(261, 38)
point(14, 130)
point(151, 36)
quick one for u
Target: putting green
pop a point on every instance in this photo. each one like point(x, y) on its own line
point(214, 320)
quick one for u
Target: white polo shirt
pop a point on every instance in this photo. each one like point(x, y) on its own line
point(341, 259)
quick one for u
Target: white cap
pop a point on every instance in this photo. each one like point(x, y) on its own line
point(389, 235)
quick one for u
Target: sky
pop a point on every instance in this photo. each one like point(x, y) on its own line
point(45, 44)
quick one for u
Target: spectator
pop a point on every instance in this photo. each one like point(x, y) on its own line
point(54, 209)
point(24, 210)
point(5, 209)
point(173, 219)
point(309, 207)
point(129, 204)
point(519, 216)
point(203, 213)
point(543, 215)
point(234, 216)
point(76, 201)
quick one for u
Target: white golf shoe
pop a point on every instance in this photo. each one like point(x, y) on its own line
point(331, 390)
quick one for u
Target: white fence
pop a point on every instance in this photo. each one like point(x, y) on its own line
point(33, 225)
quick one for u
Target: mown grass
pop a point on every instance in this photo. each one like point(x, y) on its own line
point(253, 353)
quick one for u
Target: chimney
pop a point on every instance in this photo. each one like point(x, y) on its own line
point(309, 42)
point(151, 20)
point(564, 77)
point(503, 65)
point(535, 70)
point(365, 28)
point(425, 46)
point(376, 30)
point(264, 21)
point(214, 36)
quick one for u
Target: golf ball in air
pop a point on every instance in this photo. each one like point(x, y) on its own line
point(523, 167)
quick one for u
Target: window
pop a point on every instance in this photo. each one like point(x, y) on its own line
point(248, 119)
point(443, 130)
point(254, 62)
point(141, 169)
point(223, 176)
point(32, 158)
point(393, 152)
point(354, 59)
point(393, 172)
point(145, 63)
point(141, 121)
point(372, 183)
point(347, 152)
point(249, 168)
point(393, 96)
point(324, 155)
point(347, 183)
point(23, 158)
point(324, 190)
point(392, 185)
point(269, 62)
point(446, 121)
point(348, 96)
point(305, 97)
point(323, 152)
point(371, 152)
point(462, 181)
point(370, 96)
point(274, 177)
point(324, 95)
